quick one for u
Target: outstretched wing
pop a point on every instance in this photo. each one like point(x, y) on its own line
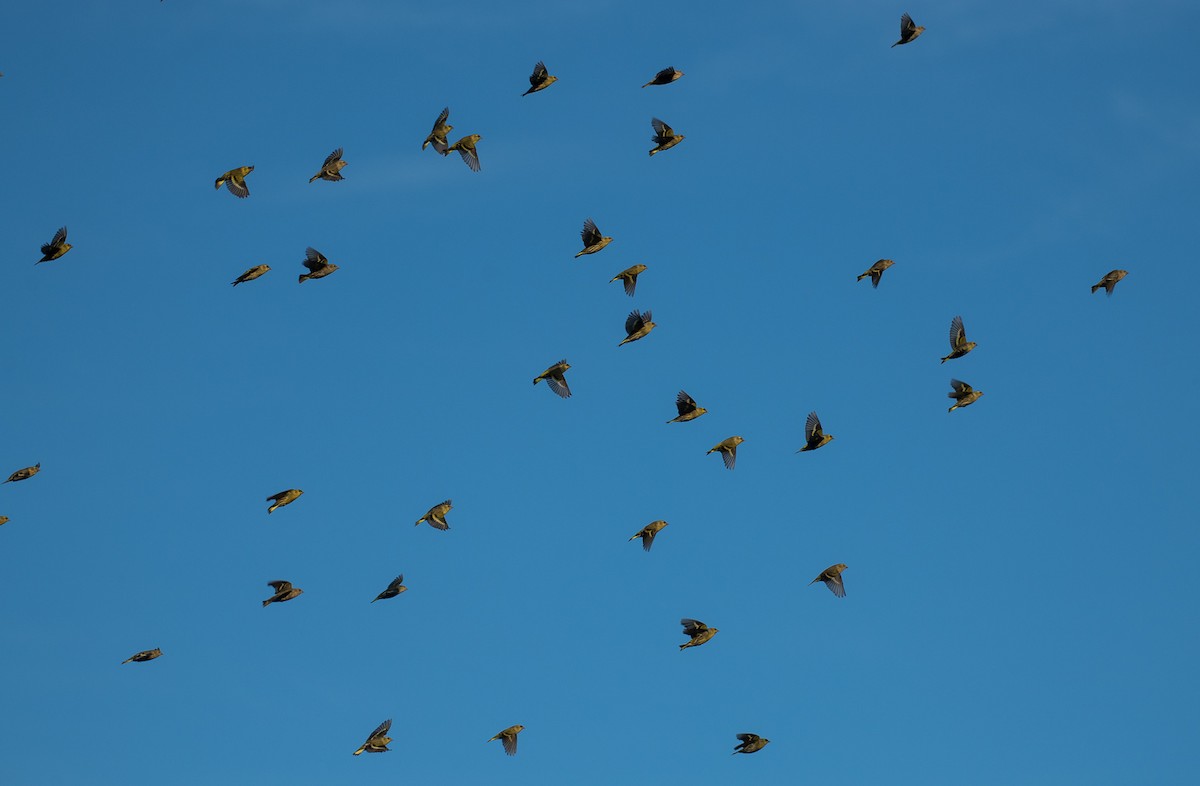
point(685, 403)
point(381, 730)
point(636, 321)
point(661, 129)
point(812, 427)
point(539, 74)
point(958, 335)
point(314, 260)
point(331, 158)
point(280, 586)
point(591, 233)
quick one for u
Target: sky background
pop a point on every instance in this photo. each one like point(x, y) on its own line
point(1021, 586)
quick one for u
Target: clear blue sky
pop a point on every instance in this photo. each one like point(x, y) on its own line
point(1021, 586)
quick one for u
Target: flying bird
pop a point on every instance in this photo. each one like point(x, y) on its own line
point(332, 168)
point(3, 520)
point(637, 326)
point(664, 77)
point(437, 137)
point(540, 79)
point(593, 241)
point(648, 532)
point(728, 450)
point(143, 656)
point(555, 377)
point(393, 589)
point(24, 474)
point(959, 345)
point(378, 741)
point(814, 435)
point(697, 631)
point(57, 246)
point(466, 149)
point(963, 394)
point(688, 409)
point(750, 743)
point(318, 266)
point(235, 181)
point(1108, 283)
point(437, 516)
point(908, 31)
point(283, 498)
point(284, 591)
point(876, 271)
point(508, 738)
point(251, 274)
point(832, 576)
point(664, 137)
point(629, 275)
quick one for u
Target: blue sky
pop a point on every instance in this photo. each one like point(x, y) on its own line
point(1021, 573)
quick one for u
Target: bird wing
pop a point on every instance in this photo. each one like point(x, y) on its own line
point(471, 157)
point(729, 455)
point(666, 73)
point(812, 427)
point(559, 386)
point(442, 118)
point(280, 586)
point(276, 497)
point(836, 586)
point(907, 26)
point(509, 741)
point(60, 237)
point(396, 582)
point(237, 186)
point(960, 388)
point(630, 282)
point(747, 738)
point(314, 260)
point(539, 74)
point(591, 233)
point(636, 321)
point(691, 627)
point(661, 129)
point(382, 730)
point(685, 403)
point(334, 156)
point(958, 336)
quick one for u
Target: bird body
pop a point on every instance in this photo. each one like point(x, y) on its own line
point(332, 168)
point(436, 516)
point(437, 137)
point(698, 632)
point(814, 436)
point(378, 741)
point(908, 31)
point(664, 77)
point(629, 276)
point(637, 326)
point(728, 450)
point(593, 241)
point(876, 271)
point(283, 498)
point(235, 181)
point(963, 394)
point(664, 137)
point(1108, 283)
point(143, 656)
point(466, 149)
point(393, 589)
point(959, 345)
point(540, 79)
point(556, 379)
point(688, 409)
point(318, 266)
point(24, 474)
point(57, 246)
point(750, 743)
point(508, 738)
point(832, 578)
point(284, 591)
point(251, 274)
point(648, 532)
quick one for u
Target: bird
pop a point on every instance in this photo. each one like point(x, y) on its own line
point(393, 589)
point(318, 266)
point(814, 436)
point(251, 274)
point(832, 576)
point(664, 77)
point(466, 149)
point(664, 137)
point(378, 741)
point(688, 409)
point(235, 181)
point(437, 137)
point(437, 516)
point(556, 379)
point(508, 738)
point(3, 520)
point(908, 31)
point(540, 79)
point(728, 450)
point(963, 394)
point(750, 743)
point(332, 168)
point(283, 498)
point(1109, 282)
point(697, 631)
point(284, 591)
point(593, 241)
point(57, 246)
point(629, 275)
point(24, 474)
point(143, 656)
point(876, 271)
point(637, 326)
point(648, 532)
point(959, 345)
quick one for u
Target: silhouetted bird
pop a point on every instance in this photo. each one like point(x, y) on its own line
point(637, 325)
point(648, 532)
point(664, 77)
point(393, 589)
point(814, 436)
point(908, 31)
point(540, 79)
point(283, 498)
point(876, 271)
point(437, 516)
point(959, 345)
point(750, 743)
point(284, 591)
point(832, 576)
point(1108, 283)
point(728, 450)
point(629, 275)
point(318, 266)
point(508, 738)
point(556, 379)
point(332, 168)
point(143, 656)
point(697, 631)
point(664, 137)
point(438, 135)
point(688, 409)
point(235, 181)
point(378, 741)
point(963, 394)
point(24, 474)
point(251, 274)
point(466, 149)
point(593, 241)
point(57, 246)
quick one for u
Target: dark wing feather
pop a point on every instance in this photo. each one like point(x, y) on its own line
point(636, 321)
point(539, 74)
point(334, 156)
point(729, 455)
point(661, 129)
point(382, 730)
point(559, 387)
point(471, 157)
point(958, 336)
point(591, 233)
point(812, 427)
point(314, 260)
point(685, 403)
point(280, 586)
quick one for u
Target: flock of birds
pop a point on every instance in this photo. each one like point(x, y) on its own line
point(638, 326)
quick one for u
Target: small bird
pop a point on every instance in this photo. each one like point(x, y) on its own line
point(637, 326)
point(284, 591)
point(437, 516)
point(466, 149)
point(959, 345)
point(698, 631)
point(908, 31)
point(688, 409)
point(143, 656)
point(283, 498)
point(664, 77)
point(556, 379)
point(593, 241)
point(648, 532)
point(664, 137)
point(24, 474)
point(332, 168)
point(1109, 282)
point(876, 271)
point(393, 589)
point(629, 276)
point(378, 741)
point(508, 738)
point(814, 436)
point(832, 576)
point(750, 743)
point(3, 520)
point(963, 394)
point(235, 181)
point(728, 450)
point(251, 274)
point(437, 137)
point(318, 266)
point(57, 246)
point(540, 79)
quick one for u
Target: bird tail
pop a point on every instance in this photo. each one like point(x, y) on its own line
point(266, 603)
point(652, 152)
point(635, 537)
point(418, 522)
point(271, 509)
point(314, 177)
point(363, 748)
point(538, 379)
point(945, 359)
point(1098, 286)
point(303, 276)
point(895, 45)
point(685, 645)
point(126, 661)
point(495, 738)
point(953, 408)
point(860, 278)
